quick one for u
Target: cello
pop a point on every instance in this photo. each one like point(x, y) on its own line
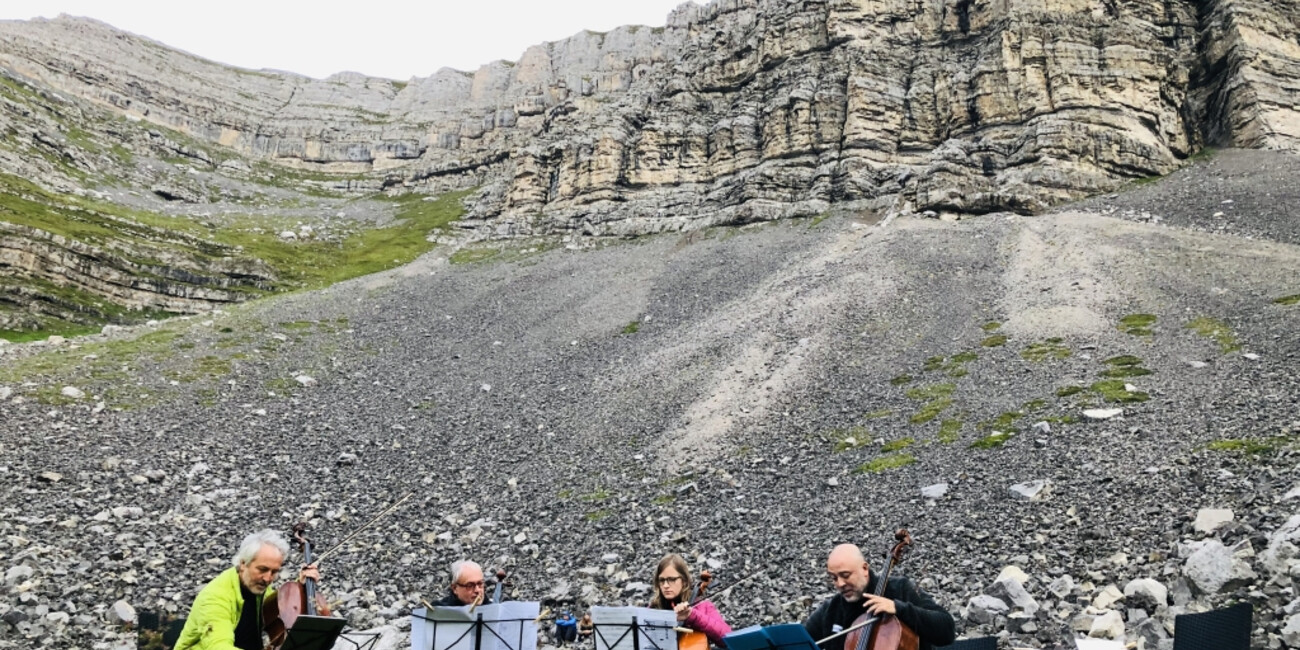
point(692, 640)
point(885, 632)
point(293, 599)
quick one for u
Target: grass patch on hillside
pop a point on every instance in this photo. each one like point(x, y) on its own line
point(930, 411)
point(995, 439)
point(314, 264)
point(106, 367)
point(954, 366)
point(995, 341)
point(949, 431)
point(600, 494)
point(991, 326)
point(598, 515)
point(931, 392)
point(1137, 324)
point(851, 438)
point(144, 238)
point(1066, 391)
point(1289, 300)
point(1264, 447)
point(204, 367)
point(886, 463)
point(1113, 390)
point(882, 413)
point(632, 327)
point(1042, 351)
point(1218, 331)
point(1124, 366)
point(897, 445)
point(901, 380)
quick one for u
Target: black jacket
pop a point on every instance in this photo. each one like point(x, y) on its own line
point(916, 609)
point(450, 600)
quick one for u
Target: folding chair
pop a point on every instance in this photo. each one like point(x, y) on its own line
point(1220, 629)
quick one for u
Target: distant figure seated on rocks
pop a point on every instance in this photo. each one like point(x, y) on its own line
point(585, 627)
point(566, 628)
point(227, 613)
point(467, 587)
point(849, 573)
point(672, 589)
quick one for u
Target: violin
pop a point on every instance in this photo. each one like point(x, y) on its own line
point(693, 640)
point(887, 633)
point(293, 599)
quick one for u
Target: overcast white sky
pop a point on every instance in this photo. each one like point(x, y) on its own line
point(397, 40)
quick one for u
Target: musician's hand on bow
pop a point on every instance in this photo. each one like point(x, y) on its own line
point(878, 604)
point(683, 611)
point(309, 571)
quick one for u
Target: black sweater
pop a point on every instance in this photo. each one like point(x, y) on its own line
point(916, 609)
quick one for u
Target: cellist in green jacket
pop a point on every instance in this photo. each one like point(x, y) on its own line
point(227, 613)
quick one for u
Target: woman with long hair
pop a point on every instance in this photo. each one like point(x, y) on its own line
point(672, 590)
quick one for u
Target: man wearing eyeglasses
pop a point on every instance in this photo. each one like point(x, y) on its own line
point(852, 577)
point(466, 585)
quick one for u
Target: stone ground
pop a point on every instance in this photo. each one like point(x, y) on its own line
point(572, 415)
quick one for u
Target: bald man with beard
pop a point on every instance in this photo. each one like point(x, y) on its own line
point(856, 583)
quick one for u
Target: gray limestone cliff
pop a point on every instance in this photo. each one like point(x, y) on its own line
point(746, 110)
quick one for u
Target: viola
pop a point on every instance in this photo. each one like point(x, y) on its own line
point(293, 599)
point(887, 632)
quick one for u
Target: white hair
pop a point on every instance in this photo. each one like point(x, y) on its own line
point(458, 567)
point(252, 545)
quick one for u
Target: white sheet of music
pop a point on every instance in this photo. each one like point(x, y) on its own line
point(510, 626)
point(655, 628)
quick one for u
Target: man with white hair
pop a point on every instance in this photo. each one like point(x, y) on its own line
point(467, 585)
point(848, 571)
point(227, 613)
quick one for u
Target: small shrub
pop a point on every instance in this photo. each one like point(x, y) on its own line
point(632, 327)
point(1289, 300)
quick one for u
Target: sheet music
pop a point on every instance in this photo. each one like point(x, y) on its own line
point(510, 625)
point(655, 628)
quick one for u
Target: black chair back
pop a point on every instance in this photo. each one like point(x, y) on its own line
point(1221, 629)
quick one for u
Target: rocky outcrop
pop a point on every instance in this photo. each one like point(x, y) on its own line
point(746, 110)
point(59, 272)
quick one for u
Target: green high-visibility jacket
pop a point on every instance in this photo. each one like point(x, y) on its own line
point(215, 614)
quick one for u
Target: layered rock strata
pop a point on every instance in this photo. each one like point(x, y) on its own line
point(142, 276)
point(747, 110)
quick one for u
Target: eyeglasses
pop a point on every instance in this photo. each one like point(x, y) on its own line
point(667, 580)
point(470, 585)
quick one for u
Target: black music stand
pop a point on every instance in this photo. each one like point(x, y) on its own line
point(634, 628)
point(346, 637)
point(476, 627)
point(313, 633)
point(789, 636)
